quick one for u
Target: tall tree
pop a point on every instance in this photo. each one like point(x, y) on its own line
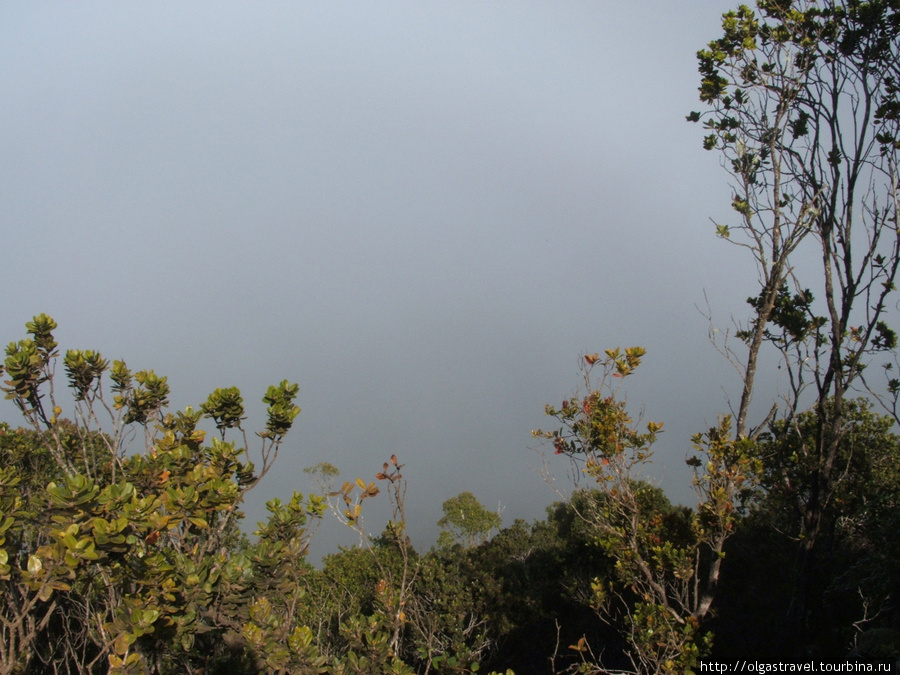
point(802, 105)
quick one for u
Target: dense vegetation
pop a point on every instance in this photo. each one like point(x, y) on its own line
point(121, 548)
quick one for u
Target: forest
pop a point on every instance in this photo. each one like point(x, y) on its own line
point(124, 548)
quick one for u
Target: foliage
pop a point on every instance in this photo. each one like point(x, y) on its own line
point(859, 574)
point(668, 559)
point(802, 103)
point(131, 560)
point(417, 607)
point(120, 542)
point(466, 521)
point(121, 559)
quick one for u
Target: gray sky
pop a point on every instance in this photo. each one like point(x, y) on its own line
point(423, 213)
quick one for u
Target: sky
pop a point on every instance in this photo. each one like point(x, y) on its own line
point(423, 213)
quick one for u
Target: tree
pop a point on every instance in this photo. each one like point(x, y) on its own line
point(127, 557)
point(466, 521)
point(668, 559)
point(802, 105)
point(858, 571)
point(121, 553)
point(383, 606)
point(858, 574)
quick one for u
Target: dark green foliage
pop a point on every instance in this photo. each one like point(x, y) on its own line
point(857, 572)
point(792, 314)
point(538, 578)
